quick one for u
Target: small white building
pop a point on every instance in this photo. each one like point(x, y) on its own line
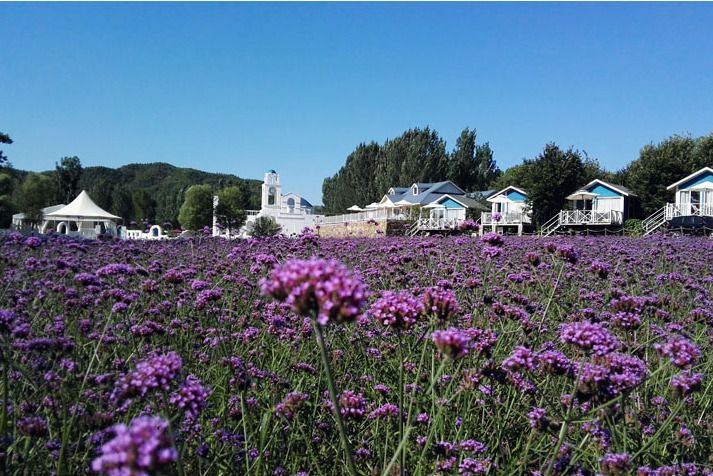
point(20, 221)
point(509, 210)
point(692, 207)
point(291, 211)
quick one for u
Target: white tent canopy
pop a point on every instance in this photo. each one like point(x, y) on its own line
point(82, 208)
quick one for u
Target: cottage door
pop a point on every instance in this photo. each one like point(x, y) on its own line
point(695, 202)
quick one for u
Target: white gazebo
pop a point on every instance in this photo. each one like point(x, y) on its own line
point(82, 217)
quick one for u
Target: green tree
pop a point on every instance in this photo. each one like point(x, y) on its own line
point(486, 170)
point(101, 191)
point(263, 227)
point(122, 205)
point(660, 165)
point(7, 206)
point(68, 172)
point(197, 209)
point(472, 166)
point(702, 153)
point(551, 176)
point(4, 139)
point(354, 183)
point(418, 155)
point(230, 210)
point(144, 206)
point(462, 164)
point(33, 196)
point(516, 176)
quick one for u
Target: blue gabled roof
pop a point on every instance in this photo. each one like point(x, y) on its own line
point(428, 192)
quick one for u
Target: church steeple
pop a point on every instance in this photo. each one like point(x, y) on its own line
point(271, 190)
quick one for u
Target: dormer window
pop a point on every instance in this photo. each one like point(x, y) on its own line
point(391, 191)
point(414, 189)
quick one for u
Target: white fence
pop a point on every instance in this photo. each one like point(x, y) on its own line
point(511, 218)
point(376, 214)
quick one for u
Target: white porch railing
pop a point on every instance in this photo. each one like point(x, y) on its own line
point(512, 218)
point(377, 214)
point(688, 209)
point(251, 213)
point(434, 224)
point(590, 217)
point(581, 218)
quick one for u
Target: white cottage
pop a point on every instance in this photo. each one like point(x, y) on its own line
point(598, 204)
point(508, 211)
point(692, 207)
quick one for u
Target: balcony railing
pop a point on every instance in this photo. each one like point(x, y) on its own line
point(511, 218)
point(590, 217)
point(430, 224)
point(688, 209)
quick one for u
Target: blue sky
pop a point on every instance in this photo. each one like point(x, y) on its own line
point(240, 88)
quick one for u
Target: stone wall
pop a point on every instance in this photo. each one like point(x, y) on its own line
point(365, 229)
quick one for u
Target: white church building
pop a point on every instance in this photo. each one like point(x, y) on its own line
point(292, 212)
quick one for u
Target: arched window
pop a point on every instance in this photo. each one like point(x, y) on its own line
point(271, 196)
point(291, 204)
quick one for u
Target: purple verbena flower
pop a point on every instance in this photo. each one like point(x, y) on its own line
point(452, 342)
point(323, 287)
point(397, 309)
point(141, 449)
point(682, 352)
point(589, 337)
point(190, 397)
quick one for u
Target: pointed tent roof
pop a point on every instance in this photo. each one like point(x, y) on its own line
point(82, 207)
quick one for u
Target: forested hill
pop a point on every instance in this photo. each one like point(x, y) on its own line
point(136, 192)
point(156, 191)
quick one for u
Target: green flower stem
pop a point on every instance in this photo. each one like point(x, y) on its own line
point(549, 301)
point(409, 427)
point(439, 411)
point(333, 395)
point(69, 422)
point(401, 403)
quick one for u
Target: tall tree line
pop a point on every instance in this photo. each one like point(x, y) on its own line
point(418, 155)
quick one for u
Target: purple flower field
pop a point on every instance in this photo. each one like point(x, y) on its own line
point(417, 356)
